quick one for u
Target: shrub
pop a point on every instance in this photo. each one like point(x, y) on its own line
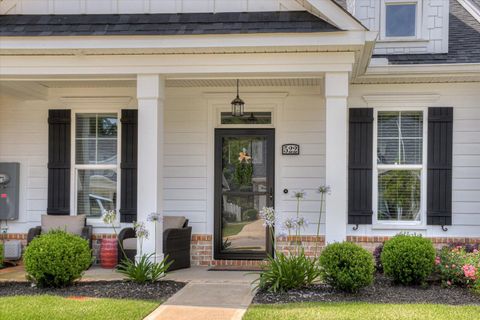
point(408, 259)
point(284, 273)
point(346, 266)
point(377, 253)
point(250, 215)
point(57, 259)
point(459, 266)
point(144, 270)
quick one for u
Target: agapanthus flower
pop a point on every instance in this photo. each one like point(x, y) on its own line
point(302, 222)
point(140, 230)
point(153, 217)
point(289, 224)
point(299, 194)
point(324, 189)
point(109, 216)
point(268, 216)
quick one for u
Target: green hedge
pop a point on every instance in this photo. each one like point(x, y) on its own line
point(408, 259)
point(57, 259)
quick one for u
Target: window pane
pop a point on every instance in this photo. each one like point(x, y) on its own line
point(85, 125)
point(107, 126)
point(107, 152)
point(399, 195)
point(400, 20)
point(96, 138)
point(248, 118)
point(400, 137)
point(96, 191)
point(85, 151)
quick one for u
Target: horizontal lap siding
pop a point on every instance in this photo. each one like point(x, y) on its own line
point(185, 160)
point(302, 122)
point(466, 166)
point(24, 139)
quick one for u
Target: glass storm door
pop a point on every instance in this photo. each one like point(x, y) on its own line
point(244, 173)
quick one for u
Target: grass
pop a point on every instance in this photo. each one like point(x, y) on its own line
point(233, 228)
point(344, 311)
point(59, 308)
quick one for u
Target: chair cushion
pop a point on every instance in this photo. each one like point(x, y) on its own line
point(130, 244)
point(70, 224)
point(171, 222)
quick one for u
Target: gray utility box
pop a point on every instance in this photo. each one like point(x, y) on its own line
point(9, 190)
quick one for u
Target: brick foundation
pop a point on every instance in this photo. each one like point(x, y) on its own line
point(202, 246)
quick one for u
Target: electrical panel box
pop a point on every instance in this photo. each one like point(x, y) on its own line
point(9, 190)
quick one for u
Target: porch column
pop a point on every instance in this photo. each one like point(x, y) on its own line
point(151, 100)
point(336, 93)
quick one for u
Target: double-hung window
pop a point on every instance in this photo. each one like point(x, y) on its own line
point(96, 163)
point(400, 166)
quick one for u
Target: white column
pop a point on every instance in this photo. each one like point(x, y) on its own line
point(336, 93)
point(151, 100)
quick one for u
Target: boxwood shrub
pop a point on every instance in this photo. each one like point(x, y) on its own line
point(408, 259)
point(57, 259)
point(347, 266)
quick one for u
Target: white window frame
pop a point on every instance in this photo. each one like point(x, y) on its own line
point(418, 19)
point(422, 167)
point(95, 222)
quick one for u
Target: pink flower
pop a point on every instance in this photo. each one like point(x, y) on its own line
point(446, 266)
point(469, 271)
point(475, 251)
point(454, 266)
point(449, 283)
point(437, 261)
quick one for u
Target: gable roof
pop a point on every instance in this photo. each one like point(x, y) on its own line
point(463, 42)
point(163, 24)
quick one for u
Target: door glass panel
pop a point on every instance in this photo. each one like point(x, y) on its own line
point(244, 193)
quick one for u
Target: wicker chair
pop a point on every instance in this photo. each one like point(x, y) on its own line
point(176, 245)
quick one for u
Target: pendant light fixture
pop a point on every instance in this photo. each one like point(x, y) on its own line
point(237, 104)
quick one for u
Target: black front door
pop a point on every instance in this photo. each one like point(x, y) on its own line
point(244, 184)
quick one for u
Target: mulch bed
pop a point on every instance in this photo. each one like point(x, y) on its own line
point(160, 290)
point(382, 291)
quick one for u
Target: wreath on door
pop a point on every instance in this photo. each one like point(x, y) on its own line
point(244, 169)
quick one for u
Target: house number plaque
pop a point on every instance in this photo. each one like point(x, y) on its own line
point(290, 149)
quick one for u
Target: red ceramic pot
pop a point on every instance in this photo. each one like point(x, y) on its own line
point(108, 253)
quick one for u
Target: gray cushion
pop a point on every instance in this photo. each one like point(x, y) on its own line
point(70, 224)
point(130, 244)
point(171, 222)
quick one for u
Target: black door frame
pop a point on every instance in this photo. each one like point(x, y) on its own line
point(217, 249)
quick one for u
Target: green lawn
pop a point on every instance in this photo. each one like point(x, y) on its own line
point(350, 311)
point(58, 308)
point(233, 228)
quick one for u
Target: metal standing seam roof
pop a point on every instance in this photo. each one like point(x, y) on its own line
point(163, 24)
point(463, 42)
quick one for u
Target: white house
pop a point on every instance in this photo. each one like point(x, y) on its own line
point(126, 105)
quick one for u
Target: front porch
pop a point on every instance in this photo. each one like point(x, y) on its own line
point(177, 118)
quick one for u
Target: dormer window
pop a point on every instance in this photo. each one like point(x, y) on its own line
point(401, 19)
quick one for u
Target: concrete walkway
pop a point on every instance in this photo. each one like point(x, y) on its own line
point(209, 295)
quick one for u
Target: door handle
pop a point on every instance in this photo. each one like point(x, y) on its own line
point(270, 194)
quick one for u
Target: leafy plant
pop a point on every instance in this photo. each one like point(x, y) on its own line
point(346, 266)
point(377, 253)
point(144, 270)
point(284, 273)
point(250, 215)
point(57, 259)
point(408, 259)
point(459, 266)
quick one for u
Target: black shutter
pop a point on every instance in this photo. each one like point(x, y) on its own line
point(439, 166)
point(360, 162)
point(59, 161)
point(128, 187)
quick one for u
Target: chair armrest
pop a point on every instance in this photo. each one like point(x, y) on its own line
point(32, 233)
point(126, 233)
point(87, 233)
point(174, 239)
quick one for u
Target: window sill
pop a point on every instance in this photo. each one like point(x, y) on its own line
point(379, 226)
point(401, 39)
